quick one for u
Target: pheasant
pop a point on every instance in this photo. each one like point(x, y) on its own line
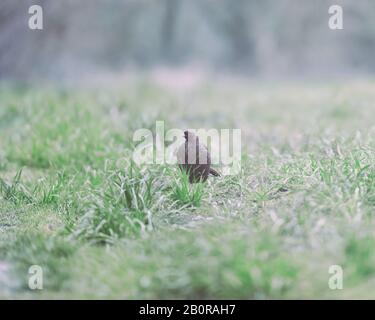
point(194, 158)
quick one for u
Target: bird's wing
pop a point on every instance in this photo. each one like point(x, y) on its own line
point(214, 172)
point(204, 155)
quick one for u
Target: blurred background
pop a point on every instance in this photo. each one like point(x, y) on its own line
point(252, 38)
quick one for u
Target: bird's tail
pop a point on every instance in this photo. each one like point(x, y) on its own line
point(214, 172)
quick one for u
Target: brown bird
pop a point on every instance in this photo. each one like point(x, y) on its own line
point(195, 159)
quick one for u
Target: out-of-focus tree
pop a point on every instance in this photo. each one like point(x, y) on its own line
point(282, 37)
point(168, 28)
point(23, 49)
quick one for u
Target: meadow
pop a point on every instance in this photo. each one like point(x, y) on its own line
point(100, 226)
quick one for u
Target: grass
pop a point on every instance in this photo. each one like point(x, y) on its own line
point(184, 192)
point(117, 206)
point(73, 202)
point(14, 191)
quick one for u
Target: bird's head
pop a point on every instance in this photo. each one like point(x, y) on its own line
point(189, 136)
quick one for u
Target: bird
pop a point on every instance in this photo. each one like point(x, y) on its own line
point(194, 158)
